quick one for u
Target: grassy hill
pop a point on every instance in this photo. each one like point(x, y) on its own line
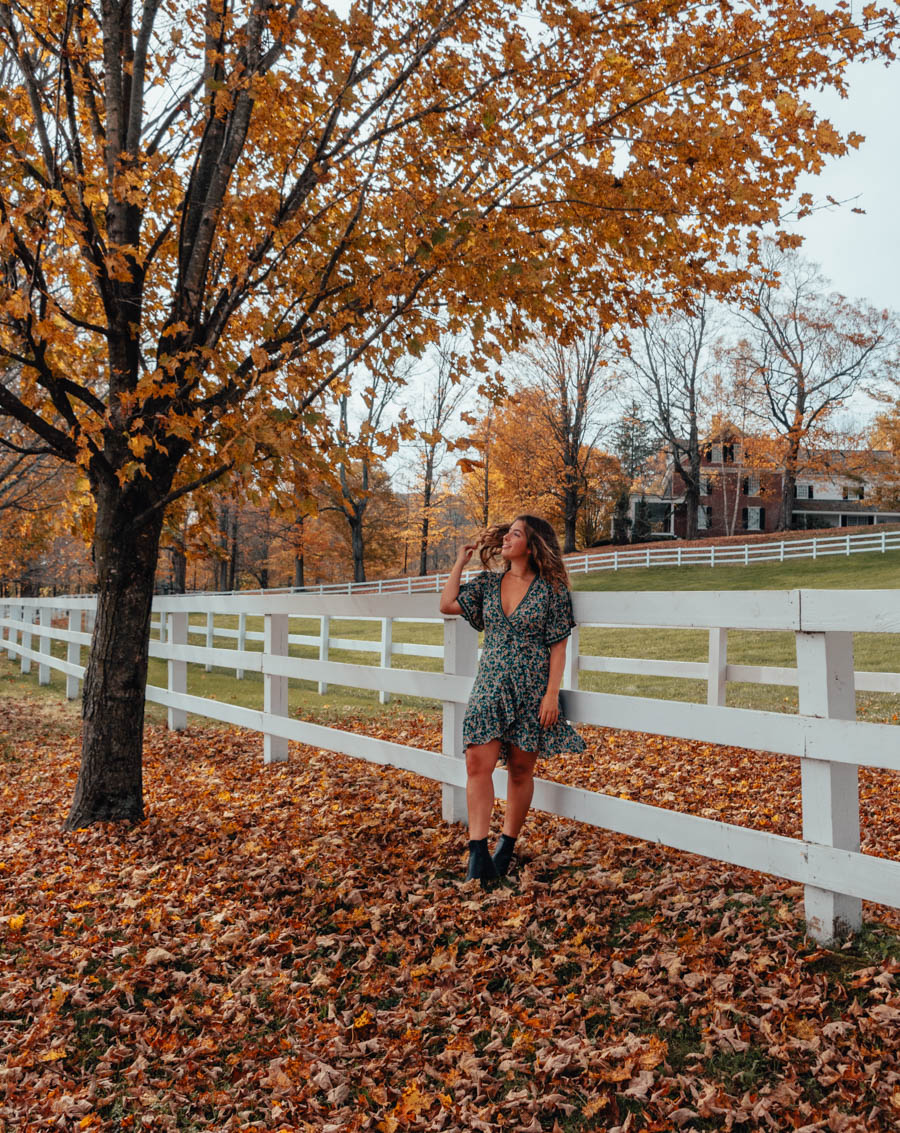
point(873, 570)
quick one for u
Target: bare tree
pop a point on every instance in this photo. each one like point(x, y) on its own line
point(24, 479)
point(359, 457)
point(574, 381)
point(476, 470)
point(672, 362)
point(446, 392)
point(805, 352)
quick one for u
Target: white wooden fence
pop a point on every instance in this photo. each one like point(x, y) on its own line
point(735, 554)
point(824, 734)
point(647, 555)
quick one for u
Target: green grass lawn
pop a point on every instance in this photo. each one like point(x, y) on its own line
point(870, 571)
point(873, 652)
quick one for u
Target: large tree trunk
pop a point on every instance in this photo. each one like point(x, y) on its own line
point(788, 487)
point(233, 553)
point(110, 781)
point(789, 481)
point(426, 515)
point(357, 542)
point(298, 570)
point(692, 486)
point(570, 517)
point(179, 570)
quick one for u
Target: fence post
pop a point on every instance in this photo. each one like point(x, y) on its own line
point(387, 644)
point(830, 790)
point(46, 619)
point(712, 555)
point(615, 560)
point(324, 631)
point(161, 636)
point(460, 658)
point(241, 642)
point(177, 634)
point(73, 654)
point(883, 541)
point(12, 635)
point(210, 637)
point(570, 673)
point(716, 687)
point(28, 618)
point(275, 688)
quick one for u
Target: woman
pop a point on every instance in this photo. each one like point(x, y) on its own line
point(513, 712)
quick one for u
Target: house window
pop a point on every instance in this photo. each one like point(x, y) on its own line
point(803, 491)
point(845, 493)
point(750, 486)
point(728, 453)
point(704, 518)
point(753, 518)
point(706, 487)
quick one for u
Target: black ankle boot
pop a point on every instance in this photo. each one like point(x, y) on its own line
point(481, 865)
point(503, 853)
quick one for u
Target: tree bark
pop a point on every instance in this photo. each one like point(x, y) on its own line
point(692, 492)
point(110, 781)
point(357, 543)
point(179, 570)
point(233, 552)
point(427, 488)
point(571, 505)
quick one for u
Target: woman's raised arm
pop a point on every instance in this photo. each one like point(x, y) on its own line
point(449, 604)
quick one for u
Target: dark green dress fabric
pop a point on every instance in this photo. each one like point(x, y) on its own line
point(515, 665)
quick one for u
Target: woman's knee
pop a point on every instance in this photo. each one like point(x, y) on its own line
point(520, 766)
point(481, 759)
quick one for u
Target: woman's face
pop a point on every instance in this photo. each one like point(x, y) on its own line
point(515, 542)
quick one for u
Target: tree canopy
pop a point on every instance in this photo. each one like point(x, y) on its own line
point(209, 212)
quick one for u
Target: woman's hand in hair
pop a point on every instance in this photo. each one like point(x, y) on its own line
point(466, 551)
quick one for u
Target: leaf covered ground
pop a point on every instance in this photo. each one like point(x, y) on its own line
point(291, 948)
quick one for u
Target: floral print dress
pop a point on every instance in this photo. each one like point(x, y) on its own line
point(515, 665)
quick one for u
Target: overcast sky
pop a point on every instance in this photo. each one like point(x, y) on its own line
point(861, 254)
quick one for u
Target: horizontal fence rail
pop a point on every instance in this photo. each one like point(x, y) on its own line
point(824, 734)
point(647, 555)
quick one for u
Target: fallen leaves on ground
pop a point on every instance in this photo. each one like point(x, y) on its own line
point(290, 948)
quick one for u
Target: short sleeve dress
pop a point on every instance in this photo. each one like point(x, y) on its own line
point(515, 665)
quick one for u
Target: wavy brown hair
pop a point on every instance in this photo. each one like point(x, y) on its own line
point(546, 556)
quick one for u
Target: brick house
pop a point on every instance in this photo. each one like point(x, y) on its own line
point(737, 498)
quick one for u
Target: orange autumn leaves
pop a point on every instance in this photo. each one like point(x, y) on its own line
point(291, 948)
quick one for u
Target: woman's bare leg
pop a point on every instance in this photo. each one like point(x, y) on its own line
point(519, 789)
point(481, 759)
